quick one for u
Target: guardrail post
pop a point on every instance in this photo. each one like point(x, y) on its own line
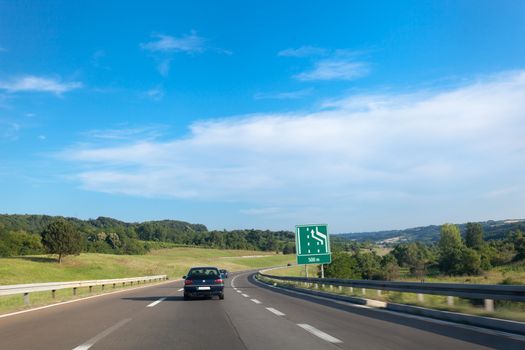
point(26, 298)
point(123, 284)
point(489, 305)
point(102, 287)
point(363, 291)
point(316, 286)
point(340, 288)
point(450, 301)
point(114, 285)
point(90, 289)
point(379, 292)
point(75, 291)
point(331, 287)
point(420, 297)
point(352, 290)
point(53, 293)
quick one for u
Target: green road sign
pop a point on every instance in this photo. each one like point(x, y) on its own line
point(313, 245)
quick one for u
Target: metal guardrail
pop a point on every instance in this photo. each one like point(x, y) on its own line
point(488, 292)
point(25, 289)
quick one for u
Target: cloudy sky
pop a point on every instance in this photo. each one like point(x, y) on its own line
point(361, 115)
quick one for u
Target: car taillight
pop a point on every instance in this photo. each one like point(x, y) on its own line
point(218, 281)
point(186, 282)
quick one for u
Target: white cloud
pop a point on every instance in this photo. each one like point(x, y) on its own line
point(127, 133)
point(164, 67)
point(335, 69)
point(304, 51)
point(340, 64)
point(39, 84)
point(97, 59)
point(155, 94)
point(286, 95)
point(190, 43)
point(9, 130)
point(431, 150)
point(164, 46)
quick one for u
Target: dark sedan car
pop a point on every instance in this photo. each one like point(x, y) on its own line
point(203, 282)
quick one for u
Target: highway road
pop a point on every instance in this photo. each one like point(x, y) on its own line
point(252, 316)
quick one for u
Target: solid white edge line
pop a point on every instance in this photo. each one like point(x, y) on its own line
point(101, 335)
point(180, 290)
point(129, 289)
point(233, 279)
point(255, 301)
point(245, 295)
point(238, 291)
point(318, 333)
point(156, 302)
point(275, 311)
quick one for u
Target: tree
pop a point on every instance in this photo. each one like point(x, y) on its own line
point(343, 265)
point(369, 265)
point(474, 236)
point(415, 255)
point(60, 237)
point(470, 261)
point(450, 246)
point(389, 268)
point(518, 239)
point(289, 248)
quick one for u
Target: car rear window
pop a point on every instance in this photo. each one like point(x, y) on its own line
point(203, 273)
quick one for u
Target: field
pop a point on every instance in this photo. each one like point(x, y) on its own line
point(173, 262)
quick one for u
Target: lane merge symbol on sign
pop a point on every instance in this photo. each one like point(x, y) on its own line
point(313, 244)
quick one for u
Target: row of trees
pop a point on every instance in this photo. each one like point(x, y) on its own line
point(25, 234)
point(452, 255)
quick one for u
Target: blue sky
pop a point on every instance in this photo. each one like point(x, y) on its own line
point(363, 115)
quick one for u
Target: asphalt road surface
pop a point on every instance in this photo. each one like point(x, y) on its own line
point(252, 316)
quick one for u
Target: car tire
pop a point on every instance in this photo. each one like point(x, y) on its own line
point(221, 296)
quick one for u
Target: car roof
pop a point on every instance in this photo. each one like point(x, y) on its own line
point(204, 267)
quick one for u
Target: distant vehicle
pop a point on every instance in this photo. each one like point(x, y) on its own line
point(203, 282)
point(224, 273)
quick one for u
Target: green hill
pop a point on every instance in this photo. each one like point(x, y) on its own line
point(492, 229)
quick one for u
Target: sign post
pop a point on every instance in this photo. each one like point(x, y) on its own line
point(312, 245)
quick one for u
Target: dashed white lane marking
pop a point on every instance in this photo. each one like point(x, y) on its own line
point(245, 295)
point(319, 333)
point(101, 335)
point(255, 301)
point(238, 291)
point(156, 302)
point(180, 290)
point(275, 311)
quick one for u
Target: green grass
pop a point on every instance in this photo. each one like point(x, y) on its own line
point(173, 262)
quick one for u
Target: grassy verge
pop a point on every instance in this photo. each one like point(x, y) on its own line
point(173, 262)
point(503, 309)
